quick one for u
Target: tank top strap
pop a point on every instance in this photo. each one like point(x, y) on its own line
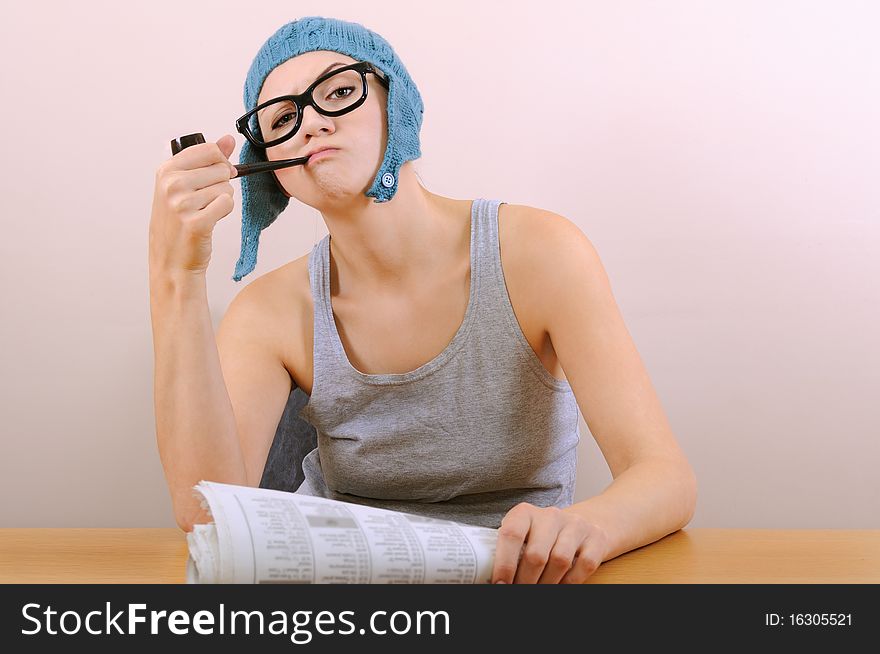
point(500, 324)
point(487, 272)
point(325, 362)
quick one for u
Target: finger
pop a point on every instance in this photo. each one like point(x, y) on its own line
point(511, 535)
point(563, 554)
point(193, 180)
point(196, 200)
point(226, 143)
point(587, 561)
point(539, 542)
point(204, 220)
point(196, 156)
point(205, 177)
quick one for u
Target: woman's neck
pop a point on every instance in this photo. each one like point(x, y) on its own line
point(397, 245)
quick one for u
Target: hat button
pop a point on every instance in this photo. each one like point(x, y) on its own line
point(387, 180)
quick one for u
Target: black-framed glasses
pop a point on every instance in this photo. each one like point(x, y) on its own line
point(334, 94)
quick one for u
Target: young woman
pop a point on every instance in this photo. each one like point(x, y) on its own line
point(446, 345)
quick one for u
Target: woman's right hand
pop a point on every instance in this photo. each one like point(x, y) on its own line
point(192, 194)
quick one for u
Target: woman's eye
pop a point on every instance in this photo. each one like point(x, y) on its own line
point(279, 122)
point(335, 93)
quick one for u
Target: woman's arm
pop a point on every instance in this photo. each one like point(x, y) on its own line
point(654, 489)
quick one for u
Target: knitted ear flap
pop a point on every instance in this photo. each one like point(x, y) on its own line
point(262, 201)
point(262, 196)
point(279, 184)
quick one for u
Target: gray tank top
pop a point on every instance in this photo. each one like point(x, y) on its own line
point(466, 436)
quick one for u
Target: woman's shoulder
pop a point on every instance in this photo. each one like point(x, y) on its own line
point(282, 297)
point(525, 220)
point(283, 302)
point(531, 234)
point(285, 290)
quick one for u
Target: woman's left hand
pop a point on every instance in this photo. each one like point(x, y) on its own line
point(560, 547)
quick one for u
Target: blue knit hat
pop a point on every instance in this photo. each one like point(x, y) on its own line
point(261, 196)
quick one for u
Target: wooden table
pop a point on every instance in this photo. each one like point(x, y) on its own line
point(689, 556)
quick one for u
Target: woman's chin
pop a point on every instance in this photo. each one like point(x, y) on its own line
point(330, 185)
point(334, 189)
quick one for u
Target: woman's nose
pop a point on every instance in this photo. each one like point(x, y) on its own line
point(312, 121)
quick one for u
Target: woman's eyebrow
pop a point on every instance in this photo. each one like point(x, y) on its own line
point(323, 72)
point(337, 63)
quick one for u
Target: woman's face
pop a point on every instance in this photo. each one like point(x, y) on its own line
point(360, 135)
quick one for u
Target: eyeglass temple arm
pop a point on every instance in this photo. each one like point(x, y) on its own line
point(380, 75)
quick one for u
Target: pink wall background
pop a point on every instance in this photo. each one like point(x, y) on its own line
point(722, 157)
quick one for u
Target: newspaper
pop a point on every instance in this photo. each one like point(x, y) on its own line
point(263, 536)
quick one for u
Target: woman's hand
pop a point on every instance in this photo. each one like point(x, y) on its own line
point(557, 547)
point(192, 194)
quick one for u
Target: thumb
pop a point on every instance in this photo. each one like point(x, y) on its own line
point(226, 144)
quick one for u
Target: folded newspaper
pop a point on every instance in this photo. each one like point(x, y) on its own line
point(263, 536)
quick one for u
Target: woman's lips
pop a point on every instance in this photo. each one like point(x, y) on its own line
point(322, 154)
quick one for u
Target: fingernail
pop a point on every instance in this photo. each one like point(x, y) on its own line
point(500, 581)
